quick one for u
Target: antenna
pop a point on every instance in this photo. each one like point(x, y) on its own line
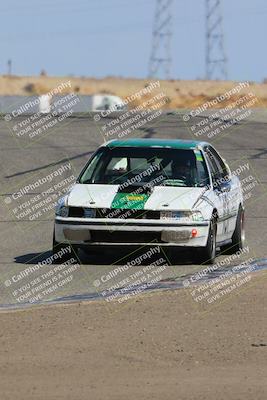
point(9, 67)
point(216, 61)
point(160, 58)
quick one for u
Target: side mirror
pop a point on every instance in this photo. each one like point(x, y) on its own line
point(225, 186)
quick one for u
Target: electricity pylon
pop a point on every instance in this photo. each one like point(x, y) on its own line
point(216, 61)
point(160, 58)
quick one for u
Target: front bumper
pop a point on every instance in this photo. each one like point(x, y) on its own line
point(91, 232)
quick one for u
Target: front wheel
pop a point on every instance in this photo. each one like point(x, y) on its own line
point(207, 254)
point(238, 238)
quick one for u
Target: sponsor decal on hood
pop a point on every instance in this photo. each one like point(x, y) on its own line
point(129, 201)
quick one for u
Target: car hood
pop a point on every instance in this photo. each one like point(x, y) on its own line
point(161, 198)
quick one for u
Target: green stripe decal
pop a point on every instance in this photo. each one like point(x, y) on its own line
point(129, 201)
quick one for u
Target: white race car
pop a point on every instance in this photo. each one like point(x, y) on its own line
point(136, 192)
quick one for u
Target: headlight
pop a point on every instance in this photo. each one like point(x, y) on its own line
point(182, 216)
point(61, 209)
point(64, 212)
point(197, 216)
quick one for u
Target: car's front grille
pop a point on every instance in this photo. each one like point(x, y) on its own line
point(111, 213)
point(76, 212)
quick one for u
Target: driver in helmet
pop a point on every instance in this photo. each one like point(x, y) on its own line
point(181, 171)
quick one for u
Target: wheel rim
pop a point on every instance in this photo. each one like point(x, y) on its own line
point(213, 242)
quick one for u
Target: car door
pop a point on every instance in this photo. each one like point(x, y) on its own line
point(218, 197)
point(230, 193)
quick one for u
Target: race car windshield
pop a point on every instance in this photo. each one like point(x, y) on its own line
point(146, 166)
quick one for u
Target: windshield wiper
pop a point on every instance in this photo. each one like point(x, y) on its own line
point(174, 182)
point(86, 181)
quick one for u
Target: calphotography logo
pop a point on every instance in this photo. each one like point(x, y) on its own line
point(41, 115)
point(35, 198)
point(38, 282)
point(141, 272)
point(233, 107)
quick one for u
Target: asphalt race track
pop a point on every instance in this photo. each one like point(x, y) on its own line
point(23, 161)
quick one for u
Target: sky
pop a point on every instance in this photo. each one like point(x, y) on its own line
point(99, 38)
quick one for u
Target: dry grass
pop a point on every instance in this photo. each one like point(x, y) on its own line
point(181, 94)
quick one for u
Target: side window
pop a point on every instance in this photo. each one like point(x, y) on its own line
point(219, 162)
point(225, 171)
point(203, 177)
point(215, 173)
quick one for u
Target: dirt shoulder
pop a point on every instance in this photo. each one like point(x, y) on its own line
point(158, 346)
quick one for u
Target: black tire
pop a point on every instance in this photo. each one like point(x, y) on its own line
point(66, 248)
point(207, 254)
point(238, 238)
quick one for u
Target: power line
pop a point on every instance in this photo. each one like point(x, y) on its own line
point(160, 58)
point(216, 61)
